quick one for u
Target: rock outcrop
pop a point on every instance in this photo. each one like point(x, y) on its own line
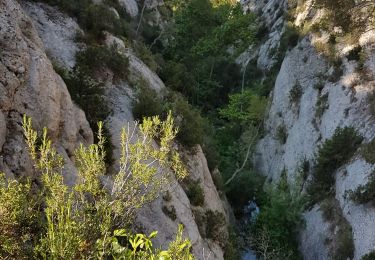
point(331, 97)
point(29, 85)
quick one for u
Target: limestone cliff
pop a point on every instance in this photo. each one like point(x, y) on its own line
point(29, 85)
point(332, 96)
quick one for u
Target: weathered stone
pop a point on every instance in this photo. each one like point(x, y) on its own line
point(32, 87)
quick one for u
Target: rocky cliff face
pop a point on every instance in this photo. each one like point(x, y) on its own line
point(328, 100)
point(32, 37)
point(29, 85)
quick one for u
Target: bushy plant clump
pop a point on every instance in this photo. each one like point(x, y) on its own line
point(274, 234)
point(216, 226)
point(88, 219)
point(295, 93)
point(96, 57)
point(195, 193)
point(251, 186)
point(364, 193)
point(342, 244)
point(369, 256)
point(368, 152)
point(282, 134)
point(332, 154)
point(191, 124)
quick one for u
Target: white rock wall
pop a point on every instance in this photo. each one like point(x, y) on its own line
point(347, 106)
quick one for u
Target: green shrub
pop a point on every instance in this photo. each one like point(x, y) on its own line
point(279, 221)
point(368, 152)
point(319, 85)
point(88, 94)
point(369, 256)
point(170, 211)
point(215, 228)
point(355, 53)
point(295, 93)
point(94, 58)
point(251, 186)
point(281, 134)
point(93, 18)
point(195, 193)
point(289, 38)
point(332, 154)
point(232, 250)
point(145, 55)
point(371, 101)
point(78, 221)
point(342, 244)
point(345, 244)
point(192, 126)
point(19, 215)
point(364, 193)
point(321, 105)
point(147, 103)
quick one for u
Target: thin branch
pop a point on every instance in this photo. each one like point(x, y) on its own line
point(234, 175)
point(141, 18)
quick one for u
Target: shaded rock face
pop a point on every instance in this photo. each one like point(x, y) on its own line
point(328, 100)
point(29, 85)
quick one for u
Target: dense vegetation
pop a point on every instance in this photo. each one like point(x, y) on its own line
point(274, 234)
point(89, 219)
point(332, 154)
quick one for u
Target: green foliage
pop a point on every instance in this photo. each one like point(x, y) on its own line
point(141, 247)
point(147, 103)
point(276, 227)
point(364, 193)
point(340, 13)
point(192, 126)
point(215, 228)
point(190, 123)
point(232, 249)
point(88, 94)
point(371, 101)
point(195, 193)
point(144, 53)
point(332, 154)
point(94, 58)
point(170, 211)
point(282, 134)
point(369, 256)
point(87, 14)
point(18, 219)
point(342, 245)
point(251, 186)
point(368, 152)
point(321, 105)
point(289, 38)
point(295, 93)
point(198, 63)
point(245, 108)
point(79, 220)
